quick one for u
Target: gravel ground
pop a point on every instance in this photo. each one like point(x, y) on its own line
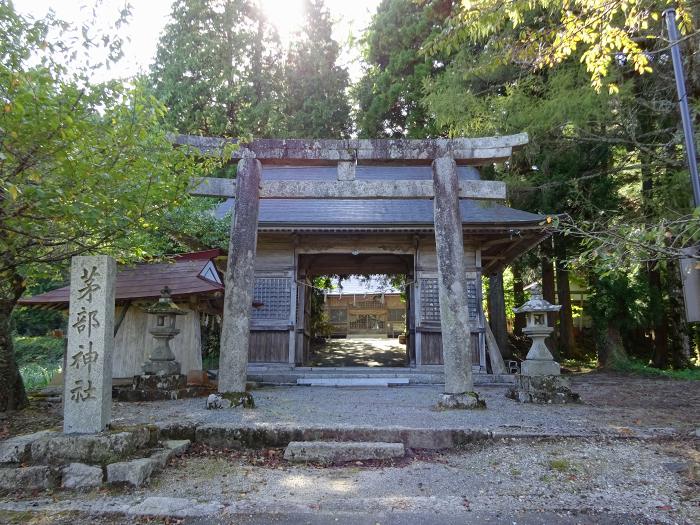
point(537, 481)
point(612, 405)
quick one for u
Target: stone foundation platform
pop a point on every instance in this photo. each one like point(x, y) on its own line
point(159, 388)
point(551, 389)
point(48, 459)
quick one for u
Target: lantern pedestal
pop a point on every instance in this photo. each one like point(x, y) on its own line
point(543, 389)
point(539, 360)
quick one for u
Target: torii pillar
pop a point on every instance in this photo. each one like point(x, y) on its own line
point(239, 284)
point(452, 289)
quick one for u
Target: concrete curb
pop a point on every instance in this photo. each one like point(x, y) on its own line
point(231, 435)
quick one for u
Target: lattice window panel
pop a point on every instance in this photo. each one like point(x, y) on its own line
point(338, 315)
point(275, 295)
point(430, 301)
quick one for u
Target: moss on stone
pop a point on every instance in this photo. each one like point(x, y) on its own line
point(244, 399)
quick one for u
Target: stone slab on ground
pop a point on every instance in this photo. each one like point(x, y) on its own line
point(177, 446)
point(352, 381)
point(172, 448)
point(88, 448)
point(255, 436)
point(136, 472)
point(17, 449)
point(336, 451)
point(25, 478)
point(175, 507)
point(79, 475)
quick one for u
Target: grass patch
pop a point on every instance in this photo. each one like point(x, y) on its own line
point(36, 376)
point(38, 358)
point(560, 465)
point(637, 367)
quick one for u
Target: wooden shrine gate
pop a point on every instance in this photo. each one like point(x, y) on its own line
point(445, 189)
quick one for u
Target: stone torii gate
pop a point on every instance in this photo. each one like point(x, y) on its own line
point(445, 189)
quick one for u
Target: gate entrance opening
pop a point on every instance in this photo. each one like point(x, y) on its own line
point(362, 323)
point(363, 319)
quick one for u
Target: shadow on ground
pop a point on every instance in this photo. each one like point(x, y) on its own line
point(359, 352)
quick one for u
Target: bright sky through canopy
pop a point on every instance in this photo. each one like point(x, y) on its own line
point(150, 16)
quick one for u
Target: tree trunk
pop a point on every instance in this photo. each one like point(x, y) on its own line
point(680, 347)
point(567, 341)
point(659, 322)
point(549, 294)
point(611, 351)
point(12, 393)
point(518, 297)
point(497, 313)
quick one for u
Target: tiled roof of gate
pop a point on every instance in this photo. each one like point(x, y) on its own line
point(184, 277)
point(288, 213)
point(310, 212)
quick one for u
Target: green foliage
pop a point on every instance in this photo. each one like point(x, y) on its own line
point(39, 359)
point(390, 91)
point(316, 103)
point(34, 321)
point(192, 226)
point(319, 323)
point(546, 33)
point(84, 167)
point(42, 351)
point(218, 69)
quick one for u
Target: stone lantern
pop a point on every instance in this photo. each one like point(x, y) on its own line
point(540, 379)
point(539, 360)
point(161, 360)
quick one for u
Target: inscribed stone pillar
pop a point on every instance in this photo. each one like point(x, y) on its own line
point(452, 280)
point(240, 278)
point(87, 395)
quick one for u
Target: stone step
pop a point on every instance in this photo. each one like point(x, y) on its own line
point(338, 451)
point(352, 381)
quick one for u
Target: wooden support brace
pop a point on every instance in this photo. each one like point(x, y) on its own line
point(497, 364)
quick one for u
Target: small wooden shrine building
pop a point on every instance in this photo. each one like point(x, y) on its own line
point(196, 288)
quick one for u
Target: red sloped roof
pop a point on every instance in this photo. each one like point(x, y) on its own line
point(144, 281)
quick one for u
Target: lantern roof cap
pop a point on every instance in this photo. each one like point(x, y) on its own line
point(536, 303)
point(164, 305)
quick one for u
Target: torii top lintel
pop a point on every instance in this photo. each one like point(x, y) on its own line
point(474, 151)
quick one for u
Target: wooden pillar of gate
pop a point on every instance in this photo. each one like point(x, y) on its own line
point(452, 287)
point(239, 283)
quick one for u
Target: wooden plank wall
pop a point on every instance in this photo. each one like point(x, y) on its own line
point(268, 346)
point(431, 346)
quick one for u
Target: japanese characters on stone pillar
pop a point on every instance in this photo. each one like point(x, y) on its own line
point(87, 395)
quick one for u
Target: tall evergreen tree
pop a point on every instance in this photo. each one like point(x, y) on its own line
point(316, 100)
point(218, 69)
point(390, 91)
